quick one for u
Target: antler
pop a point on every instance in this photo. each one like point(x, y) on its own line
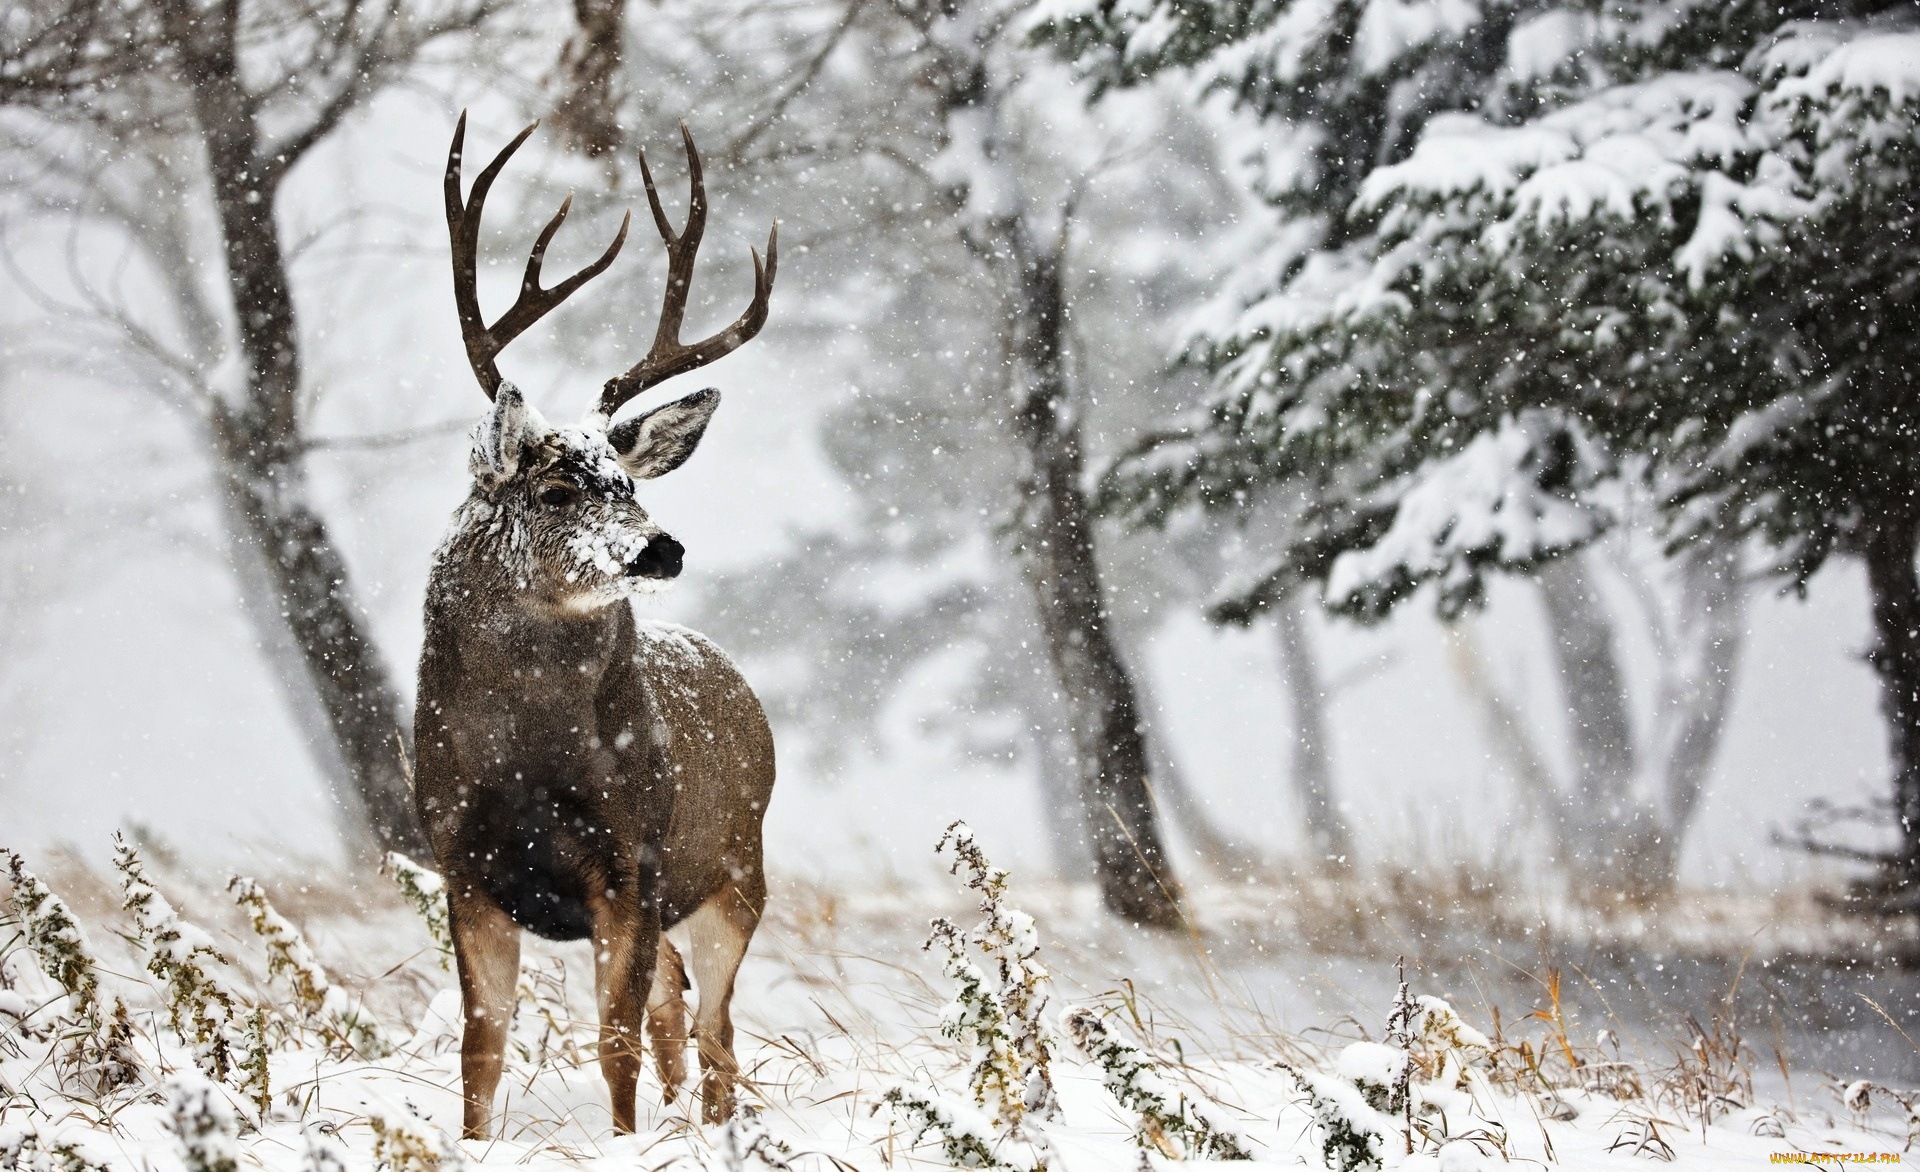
point(669, 357)
point(484, 342)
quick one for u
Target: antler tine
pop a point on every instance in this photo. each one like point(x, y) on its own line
point(485, 342)
point(668, 356)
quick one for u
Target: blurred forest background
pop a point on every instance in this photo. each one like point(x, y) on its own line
point(1438, 436)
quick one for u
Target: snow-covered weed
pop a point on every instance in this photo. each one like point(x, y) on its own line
point(996, 1018)
point(1004, 1016)
point(745, 1145)
point(322, 1006)
point(203, 1125)
point(1171, 1121)
point(34, 1147)
point(1352, 1132)
point(95, 1038)
point(227, 1034)
point(967, 1084)
point(56, 938)
point(967, 1137)
point(404, 1142)
point(427, 893)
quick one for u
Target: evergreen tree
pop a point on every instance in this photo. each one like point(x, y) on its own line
point(1665, 247)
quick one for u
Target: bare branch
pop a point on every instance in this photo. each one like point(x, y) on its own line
point(389, 439)
point(735, 149)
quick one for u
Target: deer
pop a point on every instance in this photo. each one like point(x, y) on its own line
point(581, 774)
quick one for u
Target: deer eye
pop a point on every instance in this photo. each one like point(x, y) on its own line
point(556, 496)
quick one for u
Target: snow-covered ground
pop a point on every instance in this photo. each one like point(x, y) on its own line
point(839, 1004)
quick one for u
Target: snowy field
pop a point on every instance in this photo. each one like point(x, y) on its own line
point(1059, 1041)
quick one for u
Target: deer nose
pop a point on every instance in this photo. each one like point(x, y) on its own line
point(660, 559)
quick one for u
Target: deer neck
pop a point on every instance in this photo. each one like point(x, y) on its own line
point(511, 650)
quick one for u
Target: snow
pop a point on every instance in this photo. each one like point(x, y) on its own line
point(829, 1025)
point(1482, 505)
point(1632, 151)
point(1886, 65)
point(1539, 46)
point(1390, 29)
point(1617, 152)
point(1737, 219)
point(1371, 1062)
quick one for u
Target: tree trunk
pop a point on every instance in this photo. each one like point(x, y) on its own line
point(1506, 730)
point(1056, 539)
point(1312, 773)
point(1888, 549)
point(258, 445)
point(1697, 690)
point(1607, 826)
point(587, 112)
point(329, 669)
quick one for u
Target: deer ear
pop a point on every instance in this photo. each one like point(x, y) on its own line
point(659, 441)
point(503, 435)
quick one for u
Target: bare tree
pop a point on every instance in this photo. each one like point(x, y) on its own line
point(922, 102)
point(226, 98)
point(1619, 822)
point(1311, 757)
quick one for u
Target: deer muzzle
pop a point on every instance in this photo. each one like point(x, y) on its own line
point(660, 558)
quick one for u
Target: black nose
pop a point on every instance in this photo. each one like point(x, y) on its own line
point(660, 559)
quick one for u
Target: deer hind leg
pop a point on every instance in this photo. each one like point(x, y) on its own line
point(721, 930)
point(626, 939)
point(486, 947)
point(667, 1020)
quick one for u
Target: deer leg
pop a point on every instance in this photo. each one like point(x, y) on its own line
point(486, 947)
point(721, 930)
point(626, 937)
point(667, 1020)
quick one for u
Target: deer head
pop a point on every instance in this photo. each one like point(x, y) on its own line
point(557, 504)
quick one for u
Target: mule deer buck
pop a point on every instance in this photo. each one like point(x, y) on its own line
point(583, 775)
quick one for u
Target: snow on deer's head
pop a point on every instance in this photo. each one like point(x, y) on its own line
point(562, 506)
point(558, 504)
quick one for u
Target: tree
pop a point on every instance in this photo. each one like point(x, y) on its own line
point(227, 98)
point(930, 126)
point(1688, 270)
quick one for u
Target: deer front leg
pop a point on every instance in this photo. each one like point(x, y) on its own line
point(486, 948)
point(626, 940)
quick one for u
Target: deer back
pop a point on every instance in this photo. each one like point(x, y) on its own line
point(711, 736)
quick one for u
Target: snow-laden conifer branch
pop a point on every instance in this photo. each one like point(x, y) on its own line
point(1171, 1122)
point(427, 892)
point(290, 961)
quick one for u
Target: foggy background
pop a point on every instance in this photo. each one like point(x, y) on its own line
point(132, 690)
